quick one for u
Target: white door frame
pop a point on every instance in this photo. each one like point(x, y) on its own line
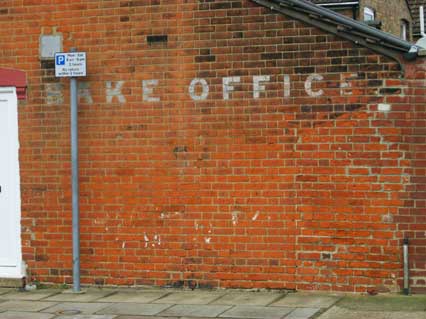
point(13, 268)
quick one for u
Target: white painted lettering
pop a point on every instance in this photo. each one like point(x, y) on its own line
point(199, 89)
point(287, 84)
point(258, 84)
point(148, 90)
point(345, 84)
point(84, 92)
point(227, 87)
point(308, 85)
point(114, 92)
point(54, 93)
point(204, 86)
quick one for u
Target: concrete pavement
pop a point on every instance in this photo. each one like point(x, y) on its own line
point(150, 303)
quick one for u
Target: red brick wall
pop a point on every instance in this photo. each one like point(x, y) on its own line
point(283, 190)
point(412, 218)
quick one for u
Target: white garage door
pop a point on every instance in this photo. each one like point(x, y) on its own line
point(10, 198)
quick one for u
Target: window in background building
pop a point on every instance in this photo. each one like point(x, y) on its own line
point(405, 28)
point(368, 14)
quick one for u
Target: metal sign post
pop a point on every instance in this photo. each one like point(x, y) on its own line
point(72, 65)
point(75, 186)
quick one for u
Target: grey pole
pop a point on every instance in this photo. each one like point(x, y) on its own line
point(406, 289)
point(75, 185)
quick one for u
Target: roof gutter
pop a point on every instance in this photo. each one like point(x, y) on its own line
point(339, 4)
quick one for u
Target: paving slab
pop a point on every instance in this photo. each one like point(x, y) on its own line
point(83, 308)
point(133, 309)
point(257, 312)
point(25, 305)
point(248, 298)
point(384, 303)
point(87, 317)
point(86, 296)
point(341, 313)
point(30, 295)
point(145, 317)
point(135, 297)
point(195, 311)
point(25, 315)
point(304, 300)
point(190, 298)
point(6, 290)
point(405, 315)
point(303, 313)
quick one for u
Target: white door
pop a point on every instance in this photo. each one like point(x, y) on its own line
point(10, 197)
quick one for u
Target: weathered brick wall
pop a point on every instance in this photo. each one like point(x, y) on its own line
point(390, 13)
point(412, 218)
point(249, 150)
point(352, 13)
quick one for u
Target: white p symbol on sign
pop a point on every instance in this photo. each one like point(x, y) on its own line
point(60, 60)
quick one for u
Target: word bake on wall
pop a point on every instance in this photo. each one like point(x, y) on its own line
point(198, 88)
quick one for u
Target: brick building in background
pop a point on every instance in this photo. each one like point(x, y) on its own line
point(393, 16)
point(414, 7)
point(222, 144)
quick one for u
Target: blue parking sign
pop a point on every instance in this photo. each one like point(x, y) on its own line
point(70, 64)
point(60, 59)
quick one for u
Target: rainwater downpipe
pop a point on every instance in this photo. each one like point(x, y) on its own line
point(406, 289)
point(422, 22)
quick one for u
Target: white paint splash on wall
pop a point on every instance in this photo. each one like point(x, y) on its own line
point(235, 217)
point(165, 215)
point(255, 216)
point(156, 240)
point(383, 107)
point(146, 238)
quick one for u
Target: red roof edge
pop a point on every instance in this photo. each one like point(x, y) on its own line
point(16, 78)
